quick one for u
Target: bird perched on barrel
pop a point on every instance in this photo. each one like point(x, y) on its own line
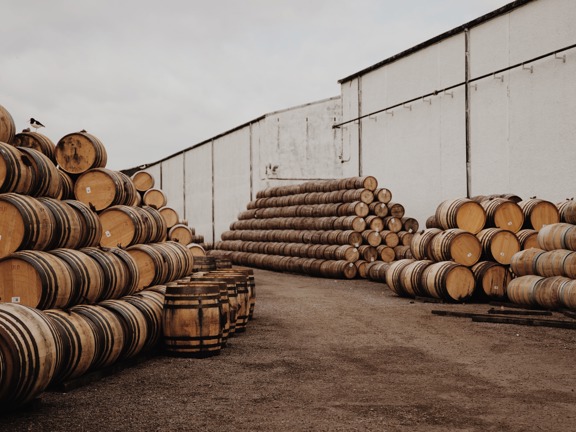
point(36, 124)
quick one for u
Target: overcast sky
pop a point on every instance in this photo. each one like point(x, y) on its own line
point(151, 78)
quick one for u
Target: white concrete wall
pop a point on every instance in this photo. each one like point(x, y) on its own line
point(198, 189)
point(521, 128)
point(172, 183)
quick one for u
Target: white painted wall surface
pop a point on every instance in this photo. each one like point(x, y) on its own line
point(198, 189)
point(173, 183)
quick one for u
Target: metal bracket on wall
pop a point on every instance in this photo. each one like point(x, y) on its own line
point(407, 107)
point(501, 77)
point(429, 101)
point(562, 57)
point(529, 68)
point(390, 112)
point(447, 93)
point(373, 117)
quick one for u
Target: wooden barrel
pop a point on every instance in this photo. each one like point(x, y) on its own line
point(24, 224)
point(228, 301)
point(143, 181)
point(567, 211)
point(79, 344)
point(374, 222)
point(152, 265)
point(461, 213)
point(402, 252)
point(375, 271)
point(78, 152)
point(67, 232)
point(383, 195)
point(386, 253)
point(354, 208)
point(87, 275)
point(101, 188)
point(154, 197)
point(410, 225)
point(350, 237)
point(192, 319)
point(538, 213)
point(243, 288)
point(118, 277)
point(420, 244)
point(405, 238)
point(7, 126)
point(151, 303)
point(392, 223)
point(557, 236)
point(394, 276)
point(431, 222)
point(567, 295)
point(30, 354)
point(368, 253)
point(547, 292)
point(371, 237)
point(170, 216)
point(354, 223)
point(66, 186)
point(158, 228)
point(36, 141)
point(15, 175)
point(181, 233)
point(491, 279)
point(378, 208)
point(396, 210)
point(498, 244)
point(559, 262)
point(196, 249)
point(46, 180)
point(449, 281)
point(36, 279)
point(456, 244)
point(390, 238)
point(528, 238)
point(411, 278)
point(134, 326)
point(524, 262)
point(179, 261)
point(108, 332)
point(122, 226)
point(91, 227)
point(521, 290)
point(502, 213)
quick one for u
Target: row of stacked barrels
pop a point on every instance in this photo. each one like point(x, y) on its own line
point(468, 246)
point(331, 228)
point(546, 274)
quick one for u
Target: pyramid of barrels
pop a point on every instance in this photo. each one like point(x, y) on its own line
point(546, 273)
point(467, 247)
point(90, 260)
point(337, 228)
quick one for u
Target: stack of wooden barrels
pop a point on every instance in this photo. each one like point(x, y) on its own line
point(332, 228)
point(546, 274)
point(86, 254)
point(468, 245)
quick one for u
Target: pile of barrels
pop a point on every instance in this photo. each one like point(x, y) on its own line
point(85, 256)
point(468, 245)
point(546, 274)
point(332, 228)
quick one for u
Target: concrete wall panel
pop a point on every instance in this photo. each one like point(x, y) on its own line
point(198, 189)
point(173, 182)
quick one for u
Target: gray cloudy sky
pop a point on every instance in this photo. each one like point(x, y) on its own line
point(150, 78)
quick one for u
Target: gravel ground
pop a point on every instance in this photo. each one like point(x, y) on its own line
point(334, 355)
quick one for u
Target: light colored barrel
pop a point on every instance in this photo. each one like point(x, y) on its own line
point(36, 279)
point(420, 244)
point(36, 141)
point(101, 188)
point(538, 213)
point(31, 352)
point(491, 279)
point(559, 262)
point(455, 244)
point(78, 152)
point(547, 292)
point(155, 197)
point(91, 228)
point(171, 216)
point(143, 181)
point(449, 281)
point(122, 226)
point(68, 228)
point(7, 126)
point(46, 180)
point(524, 262)
point(461, 213)
point(528, 238)
point(411, 278)
point(557, 236)
point(504, 214)
point(394, 276)
point(498, 244)
point(567, 295)
point(521, 290)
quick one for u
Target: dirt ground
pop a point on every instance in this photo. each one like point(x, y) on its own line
point(334, 355)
